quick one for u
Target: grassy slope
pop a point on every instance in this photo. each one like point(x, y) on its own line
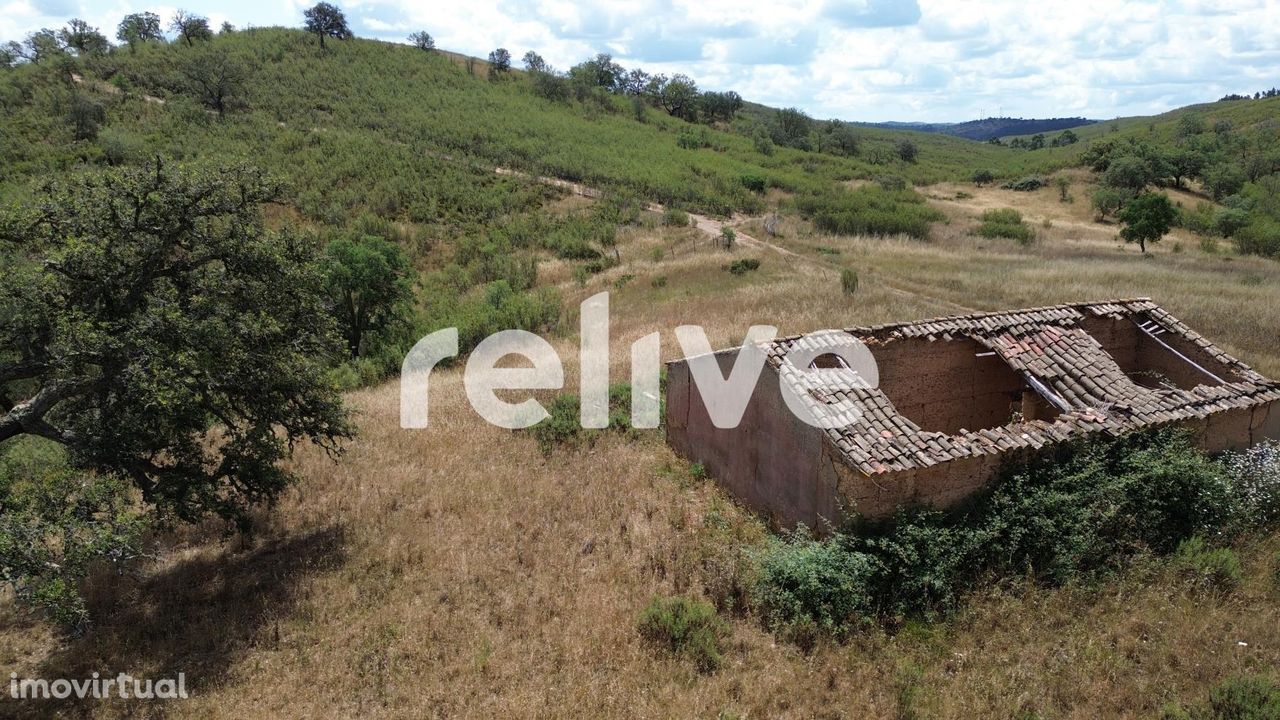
point(1242, 114)
point(458, 572)
point(372, 112)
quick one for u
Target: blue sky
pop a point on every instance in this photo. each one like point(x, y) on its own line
point(929, 60)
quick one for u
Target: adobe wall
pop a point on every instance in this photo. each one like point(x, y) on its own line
point(1238, 429)
point(946, 484)
point(769, 462)
point(1135, 351)
point(944, 386)
point(789, 472)
point(939, 486)
point(1118, 337)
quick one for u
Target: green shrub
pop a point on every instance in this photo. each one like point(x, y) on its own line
point(1005, 216)
point(493, 308)
point(1260, 237)
point(892, 183)
point(1227, 222)
point(802, 580)
point(1214, 569)
point(672, 217)
point(686, 627)
point(744, 266)
point(1199, 220)
point(1236, 698)
point(727, 237)
point(1243, 698)
point(983, 177)
point(869, 210)
point(1255, 482)
point(563, 426)
point(58, 524)
point(849, 281)
point(658, 282)
point(1027, 184)
point(1005, 223)
point(1075, 512)
point(754, 183)
point(693, 139)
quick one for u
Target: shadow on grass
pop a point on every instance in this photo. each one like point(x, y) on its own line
point(198, 618)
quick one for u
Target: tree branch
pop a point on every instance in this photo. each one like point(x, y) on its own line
point(27, 417)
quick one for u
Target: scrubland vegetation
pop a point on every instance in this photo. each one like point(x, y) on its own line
point(557, 571)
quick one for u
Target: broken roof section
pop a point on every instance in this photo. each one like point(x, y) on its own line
point(1025, 379)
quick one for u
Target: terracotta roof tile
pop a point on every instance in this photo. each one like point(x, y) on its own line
point(1047, 344)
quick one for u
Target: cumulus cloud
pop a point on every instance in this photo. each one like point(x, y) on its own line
point(932, 60)
point(872, 13)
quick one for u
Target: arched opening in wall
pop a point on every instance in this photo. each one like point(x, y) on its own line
point(829, 361)
point(952, 385)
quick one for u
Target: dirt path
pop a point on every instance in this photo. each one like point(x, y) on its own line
point(706, 224)
point(713, 228)
point(110, 89)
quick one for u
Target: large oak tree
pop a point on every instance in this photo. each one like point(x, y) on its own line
point(151, 326)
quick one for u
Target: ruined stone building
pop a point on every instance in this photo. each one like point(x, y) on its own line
point(957, 396)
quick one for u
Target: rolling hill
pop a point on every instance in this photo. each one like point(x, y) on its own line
point(989, 128)
point(467, 570)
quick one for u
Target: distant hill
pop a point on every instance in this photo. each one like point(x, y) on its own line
point(988, 128)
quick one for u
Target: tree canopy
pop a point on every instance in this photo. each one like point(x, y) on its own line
point(215, 77)
point(190, 27)
point(153, 328)
point(83, 38)
point(499, 62)
point(370, 284)
point(1147, 218)
point(423, 40)
point(326, 20)
point(139, 28)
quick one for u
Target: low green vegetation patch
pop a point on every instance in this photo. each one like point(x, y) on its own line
point(744, 266)
point(1216, 569)
point(1005, 223)
point(674, 217)
point(869, 210)
point(58, 524)
point(1027, 184)
point(849, 281)
point(563, 426)
point(1247, 697)
point(686, 627)
point(1072, 515)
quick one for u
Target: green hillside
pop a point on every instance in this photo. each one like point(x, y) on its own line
point(216, 255)
point(383, 139)
point(353, 121)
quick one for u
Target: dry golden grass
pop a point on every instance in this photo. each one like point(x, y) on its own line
point(456, 572)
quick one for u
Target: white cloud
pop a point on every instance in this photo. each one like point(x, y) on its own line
point(857, 59)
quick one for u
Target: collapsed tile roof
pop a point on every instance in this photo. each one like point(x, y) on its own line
point(1048, 348)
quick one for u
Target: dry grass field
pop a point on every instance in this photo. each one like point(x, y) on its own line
point(457, 572)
